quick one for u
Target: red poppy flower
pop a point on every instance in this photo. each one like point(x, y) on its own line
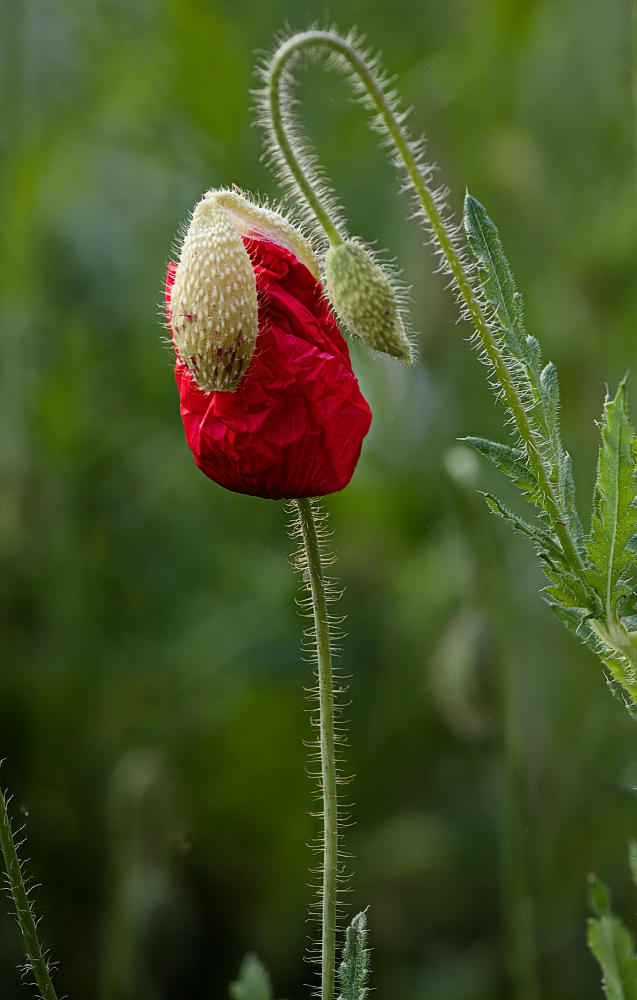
point(296, 422)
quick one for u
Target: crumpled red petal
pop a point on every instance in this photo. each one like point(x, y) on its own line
point(295, 425)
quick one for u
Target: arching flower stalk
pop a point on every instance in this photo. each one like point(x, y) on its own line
point(590, 575)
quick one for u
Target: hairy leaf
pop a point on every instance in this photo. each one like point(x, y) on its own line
point(614, 521)
point(496, 277)
point(537, 386)
point(612, 946)
point(546, 543)
point(354, 968)
point(511, 461)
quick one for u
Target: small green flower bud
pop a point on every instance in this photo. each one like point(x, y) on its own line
point(213, 306)
point(364, 299)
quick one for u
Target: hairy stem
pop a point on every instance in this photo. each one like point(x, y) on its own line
point(374, 90)
point(276, 116)
point(316, 581)
point(23, 909)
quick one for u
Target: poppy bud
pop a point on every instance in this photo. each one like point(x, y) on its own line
point(213, 307)
point(296, 422)
point(364, 299)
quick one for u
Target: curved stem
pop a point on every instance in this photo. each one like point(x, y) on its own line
point(22, 904)
point(314, 567)
point(374, 90)
point(276, 117)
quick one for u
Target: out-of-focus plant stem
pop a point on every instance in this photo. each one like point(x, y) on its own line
point(24, 912)
point(314, 566)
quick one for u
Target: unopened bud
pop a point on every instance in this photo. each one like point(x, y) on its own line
point(213, 306)
point(364, 299)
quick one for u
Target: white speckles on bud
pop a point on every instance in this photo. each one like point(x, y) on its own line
point(364, 299)
point(213, 306)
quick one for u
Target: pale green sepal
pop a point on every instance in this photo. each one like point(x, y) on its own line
point(613, 947)
point(364, 300)
point(354, 969)
point(254, 981)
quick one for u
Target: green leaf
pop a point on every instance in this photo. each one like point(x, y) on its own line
point(598, 897)
point(546, 543)
point(537, 386)
point(511, 461)
point(551, 397)
point(253, 982)
point(612, 946)
point(614, 521)
point(495, 276)
point(354, 970)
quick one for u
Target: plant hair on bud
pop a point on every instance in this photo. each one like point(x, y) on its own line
point(213, 306)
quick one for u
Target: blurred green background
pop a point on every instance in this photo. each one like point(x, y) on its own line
point(152, 710)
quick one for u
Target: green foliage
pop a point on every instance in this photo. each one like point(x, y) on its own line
point(590, 588)
point(353, 972)
point(632, 859)
point(612, 945)
point(614, 521)
point(142, 607)
point(254, 981)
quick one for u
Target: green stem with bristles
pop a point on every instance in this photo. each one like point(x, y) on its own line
point(296, 169)
point(341, 46)
point(23, 909)
point(316, 581)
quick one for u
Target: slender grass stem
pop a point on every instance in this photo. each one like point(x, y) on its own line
point(23, 909)
point(382, 105)
point(314, 567)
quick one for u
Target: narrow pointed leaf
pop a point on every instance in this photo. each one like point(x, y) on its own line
point(612, 946)
point(353, 971)
point(546, 543)
point(614, 521)
point(511, 461)
point(496, 277)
